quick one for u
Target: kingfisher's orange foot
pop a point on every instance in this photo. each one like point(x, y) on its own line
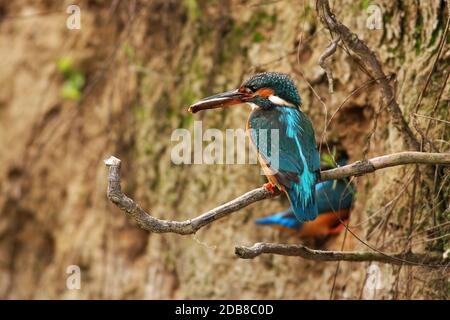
point(270, 187)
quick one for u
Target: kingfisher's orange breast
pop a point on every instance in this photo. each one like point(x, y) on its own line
point(324, 223)
point(269, 173)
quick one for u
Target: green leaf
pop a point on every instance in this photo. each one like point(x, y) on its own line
point(70, 92)
point(65, 65)
point(77, 80)
point(328, 159)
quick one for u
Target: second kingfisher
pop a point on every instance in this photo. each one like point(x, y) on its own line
point(294, 166)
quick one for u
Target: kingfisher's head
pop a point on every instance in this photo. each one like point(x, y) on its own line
point(263, 90)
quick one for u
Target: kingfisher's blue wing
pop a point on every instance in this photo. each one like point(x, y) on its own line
point(294, 160)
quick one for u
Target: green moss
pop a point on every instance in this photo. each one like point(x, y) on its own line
point(258, 18)
point(154, 183)
point(418, 33)
point(147, 148)
point(306, 11)
point(365, 4)
point(186, 121)
point(402, 58)
point(192, 8)
point(187, 97)
point(74, 79)
point(242, 34)
point(129, 51)
point(258, 37)
point(139, 112)
point(442, 216)
point(434, 36)
point(169, 261)
point(439, 26)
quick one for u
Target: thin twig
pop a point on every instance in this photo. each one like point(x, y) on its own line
point(431, 259)
point(370, 60)
point(430, 118)
point(438, 100)
point(329, 51)
point(433, 68)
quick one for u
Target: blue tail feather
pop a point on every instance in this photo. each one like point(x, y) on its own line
point(284, 218)
point(303, 212)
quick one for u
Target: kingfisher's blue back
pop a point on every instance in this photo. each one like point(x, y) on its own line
point(293, 166)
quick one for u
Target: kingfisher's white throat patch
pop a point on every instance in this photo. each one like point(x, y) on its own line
point(254, 106)
point(279, 101)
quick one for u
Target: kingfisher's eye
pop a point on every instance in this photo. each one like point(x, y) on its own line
point(249, 89)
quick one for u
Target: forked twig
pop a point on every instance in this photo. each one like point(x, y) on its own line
point(150, 223)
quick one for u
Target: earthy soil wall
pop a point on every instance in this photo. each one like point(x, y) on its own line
point(121, 84)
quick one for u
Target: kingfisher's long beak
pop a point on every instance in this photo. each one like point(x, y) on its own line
point(220, 100)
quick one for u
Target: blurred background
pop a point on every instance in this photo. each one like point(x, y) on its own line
point(121, 84)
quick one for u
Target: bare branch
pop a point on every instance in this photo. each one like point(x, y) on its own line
point(415, 259)
point(147, 222)
point(329, 51)
point(396, 159)
point(370, 61)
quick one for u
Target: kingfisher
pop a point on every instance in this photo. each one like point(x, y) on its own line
point(289, 158)
point(334, 202)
